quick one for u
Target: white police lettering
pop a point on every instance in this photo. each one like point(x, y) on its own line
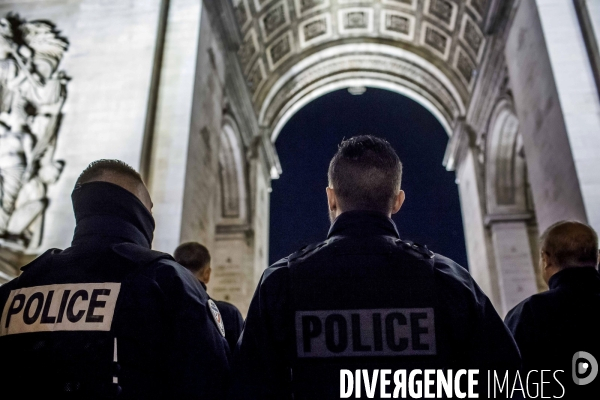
point(365, 333)
point(67, 307)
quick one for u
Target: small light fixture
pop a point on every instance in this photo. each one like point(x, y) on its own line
point(357, 90)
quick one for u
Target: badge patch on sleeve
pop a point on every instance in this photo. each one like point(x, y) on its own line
point(67, 307)
point(214, 310)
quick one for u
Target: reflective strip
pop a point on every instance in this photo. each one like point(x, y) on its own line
point(66, 307)
point(115, 359)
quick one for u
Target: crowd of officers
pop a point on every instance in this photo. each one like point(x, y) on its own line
point(110, 318)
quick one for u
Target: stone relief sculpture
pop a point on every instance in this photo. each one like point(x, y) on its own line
point(32, 94)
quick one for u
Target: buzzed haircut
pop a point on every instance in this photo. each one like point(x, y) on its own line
point(192, 255)
point(97, 168)
point(571, 244)
point(366, 174)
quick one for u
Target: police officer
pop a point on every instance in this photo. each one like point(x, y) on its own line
point(363, 298)
point(108, 317)
point(196, 258)
point(553, 328)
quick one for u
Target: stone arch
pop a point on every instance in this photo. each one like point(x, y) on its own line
point(232, 261)
point(371, 65)
point(506, 174)
point(509, 217)
point(232, 193)
point(432, 51)
point(293, 51)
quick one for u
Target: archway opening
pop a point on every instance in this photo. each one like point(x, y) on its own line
point(431, 214)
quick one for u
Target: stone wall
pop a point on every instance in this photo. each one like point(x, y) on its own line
point(109, 61)
point(173, 138)
point(577, 95)
point(201, 176)
point(150, 85)
point(161, 100)
point(491, 173)
point(555, 182)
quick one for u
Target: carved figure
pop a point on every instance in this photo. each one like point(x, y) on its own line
point(32, 94)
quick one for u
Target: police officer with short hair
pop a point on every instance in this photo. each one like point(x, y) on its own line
point(196, 258)
point(553, 328)
point(363, 298)
point(108, 317)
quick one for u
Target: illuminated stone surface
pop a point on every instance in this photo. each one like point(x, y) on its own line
point(197, 106)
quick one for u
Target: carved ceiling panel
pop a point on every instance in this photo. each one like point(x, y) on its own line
point(280, 33)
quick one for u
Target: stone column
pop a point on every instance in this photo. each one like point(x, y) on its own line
point(169, 155)
point(578, 96)
point(594, 13)
point(232, 272)
point(241, 250)
point(559, 110)
point(260, 221)
point(461, 157)
point(514, 263)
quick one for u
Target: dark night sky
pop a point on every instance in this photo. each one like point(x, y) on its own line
point(431, 213)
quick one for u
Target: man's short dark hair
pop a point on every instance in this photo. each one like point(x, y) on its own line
point(99, 167)
point(571, 244)
point(366, 174)
point(192, 255)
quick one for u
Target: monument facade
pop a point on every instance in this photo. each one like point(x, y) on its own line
point(196, 93)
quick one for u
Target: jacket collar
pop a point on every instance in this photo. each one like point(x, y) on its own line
point(107, 214)
point(575, 277)
point(363, 223)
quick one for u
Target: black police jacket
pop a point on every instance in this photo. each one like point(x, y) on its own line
point(363, 299)
point(552, 327)
point(108, 317)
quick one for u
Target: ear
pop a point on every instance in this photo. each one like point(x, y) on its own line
point(206, 274)
point(398, 202)
point(545, 258)
point(199, 275)
point(331, 199)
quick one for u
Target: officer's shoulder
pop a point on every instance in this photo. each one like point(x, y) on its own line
point(226, 308)
point(522, 311)
point(413, 250)
point(41, 260)
point(515, 313)
point(7, 287)
point(450, 272)
point(534, 302)
point(281, 267)
point(310, 250)
point(153, 264)
point(276, 271)
point(142, 256)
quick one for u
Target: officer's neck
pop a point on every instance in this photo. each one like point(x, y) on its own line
point(363, 223)
point(338, 211)
point(108, 214)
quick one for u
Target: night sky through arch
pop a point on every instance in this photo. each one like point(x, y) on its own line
point(431, 214)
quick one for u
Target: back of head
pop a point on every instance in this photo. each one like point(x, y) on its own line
point(118, 173)
point(366, 174)
point(99, 168)
point(192, 255)
point(571, 244)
